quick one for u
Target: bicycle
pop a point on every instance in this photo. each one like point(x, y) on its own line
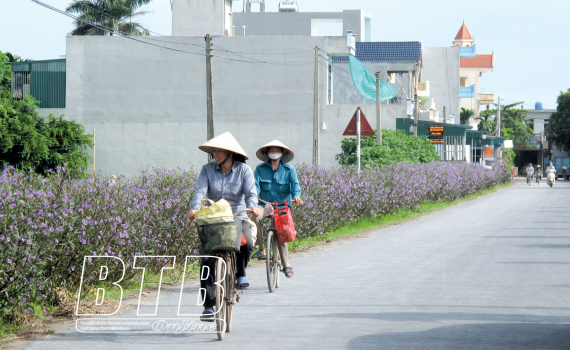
point(273, 261)
point(529, 178)
point(538, 178)
point(226, 286)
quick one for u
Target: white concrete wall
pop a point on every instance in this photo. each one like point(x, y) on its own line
point(441, 67)
point(296, 23)
point(149, 104)
point(198, 17)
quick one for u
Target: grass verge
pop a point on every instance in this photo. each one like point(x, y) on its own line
point(395, 218)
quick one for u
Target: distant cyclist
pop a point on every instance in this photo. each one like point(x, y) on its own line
point(529, 173)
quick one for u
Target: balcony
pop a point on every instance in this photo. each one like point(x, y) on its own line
point(467, 91)
point(486, 99)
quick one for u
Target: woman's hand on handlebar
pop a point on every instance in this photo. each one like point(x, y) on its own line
point(254, 211)
point(192, 214)
point(297, 201)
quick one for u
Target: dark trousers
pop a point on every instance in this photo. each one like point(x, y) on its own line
point(242, 259)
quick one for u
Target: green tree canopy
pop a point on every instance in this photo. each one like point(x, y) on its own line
point(29, 141)
point(397, 146)
point(485, 121)
point(558, 131)
point(514, 125)
point(465, 115)
point(116, 15)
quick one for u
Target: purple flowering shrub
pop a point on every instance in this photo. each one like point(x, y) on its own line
point(334, 196)
point(48, 224)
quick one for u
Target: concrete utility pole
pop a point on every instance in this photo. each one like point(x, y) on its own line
point(416, 101)
point(93, 151)
point(378, 111)
point(210, 92)
point(498, 117)
point(316, 112)
point(358, 140)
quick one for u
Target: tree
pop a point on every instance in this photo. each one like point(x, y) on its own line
point(115, 15)
point(396, 146)
point(485, 122)
point(465, 115)
point(558, 131)
point(29, 141)
point(14, 58)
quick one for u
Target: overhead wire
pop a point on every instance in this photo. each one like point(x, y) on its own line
point(142, 38)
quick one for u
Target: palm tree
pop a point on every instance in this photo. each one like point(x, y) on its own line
point(114, 15)
point(486, 124)
point(465, 115)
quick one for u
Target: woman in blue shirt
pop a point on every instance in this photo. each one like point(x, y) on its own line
point(276, 181)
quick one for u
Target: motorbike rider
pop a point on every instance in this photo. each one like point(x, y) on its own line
point(538, 173)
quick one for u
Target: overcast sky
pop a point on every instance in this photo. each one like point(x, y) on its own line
point(529, 38)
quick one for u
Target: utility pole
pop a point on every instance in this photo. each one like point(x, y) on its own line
point(378, 111)
point(93, 152)
point(416, 101)
point(210, 93)
point(316, 121)
point(498, 118)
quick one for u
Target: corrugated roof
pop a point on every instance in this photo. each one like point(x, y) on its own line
point(479, 61)
point(409, 51)
point(463, 33)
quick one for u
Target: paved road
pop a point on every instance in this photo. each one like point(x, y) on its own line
point(492, 273)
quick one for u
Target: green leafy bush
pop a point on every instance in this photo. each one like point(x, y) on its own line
point(397, 146)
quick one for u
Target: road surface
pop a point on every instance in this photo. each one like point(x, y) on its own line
point(491, 273)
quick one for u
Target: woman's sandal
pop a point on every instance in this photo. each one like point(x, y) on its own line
point(259, 255)
point(287, 270)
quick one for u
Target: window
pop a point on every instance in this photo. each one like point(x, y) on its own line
point(462, 81)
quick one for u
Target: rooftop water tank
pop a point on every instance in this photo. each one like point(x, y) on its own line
point(538, 106)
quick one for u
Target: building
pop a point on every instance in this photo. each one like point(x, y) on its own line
point(473, 66)
point(148, 103)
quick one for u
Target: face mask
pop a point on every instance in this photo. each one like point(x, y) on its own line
point(275, 156)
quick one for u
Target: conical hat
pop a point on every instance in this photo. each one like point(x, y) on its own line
point(225, 141)
point(287, 157)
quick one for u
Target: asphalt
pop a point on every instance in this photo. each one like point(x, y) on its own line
point(491, 273)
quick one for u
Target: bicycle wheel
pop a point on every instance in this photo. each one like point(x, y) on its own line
point(220, 305)
point(277, 267)
point(230, 286)
point(271, 262)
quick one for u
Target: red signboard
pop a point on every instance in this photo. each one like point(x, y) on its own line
point(365, 128)
point(489, 151)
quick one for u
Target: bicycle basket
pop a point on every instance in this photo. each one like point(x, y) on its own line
point(220, 236)
point(284, 224)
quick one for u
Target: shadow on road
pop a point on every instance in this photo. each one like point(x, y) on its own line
point(547, 246)
point(526, 236)
point(448, 316)
point(472, 336)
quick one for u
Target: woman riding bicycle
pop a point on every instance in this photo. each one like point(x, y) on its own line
point(276, 181)
point(228, 178)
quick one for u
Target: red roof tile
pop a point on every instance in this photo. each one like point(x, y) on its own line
point(463, 33)
point(479, 61)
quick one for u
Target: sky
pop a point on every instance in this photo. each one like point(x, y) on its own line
point(529, 38)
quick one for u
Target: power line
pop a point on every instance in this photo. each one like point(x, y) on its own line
point(250, 60)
